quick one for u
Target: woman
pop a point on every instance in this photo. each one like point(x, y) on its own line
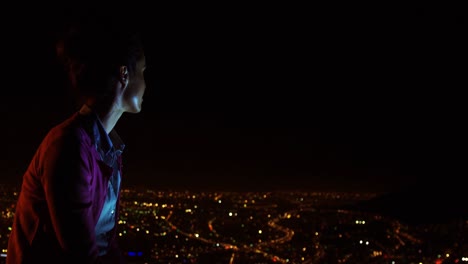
point(67, 210)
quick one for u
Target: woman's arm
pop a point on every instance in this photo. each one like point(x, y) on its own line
point(67, 181)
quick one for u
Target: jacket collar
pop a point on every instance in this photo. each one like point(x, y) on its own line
point(109, 146)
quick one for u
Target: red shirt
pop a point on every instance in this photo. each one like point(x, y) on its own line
point(61, 198)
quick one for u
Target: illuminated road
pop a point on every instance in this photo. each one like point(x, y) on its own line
point(226, 246)
point(395, 233)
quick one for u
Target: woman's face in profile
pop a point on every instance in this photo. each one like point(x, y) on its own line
point(133, 96)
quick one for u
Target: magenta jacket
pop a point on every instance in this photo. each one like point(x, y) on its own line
point(62, 195)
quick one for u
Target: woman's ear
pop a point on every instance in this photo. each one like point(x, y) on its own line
point(123, 76)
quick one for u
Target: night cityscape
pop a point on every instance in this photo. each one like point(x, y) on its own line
point(267, 227)
point(270, 133)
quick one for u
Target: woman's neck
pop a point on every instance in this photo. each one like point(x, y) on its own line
point(109, 115)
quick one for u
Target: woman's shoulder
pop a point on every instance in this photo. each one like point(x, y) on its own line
point(72, 129)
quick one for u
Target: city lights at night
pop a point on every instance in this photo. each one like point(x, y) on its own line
point(268, 133)
point(268, 227)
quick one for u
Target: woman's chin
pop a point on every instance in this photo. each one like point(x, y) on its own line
point(135, 106)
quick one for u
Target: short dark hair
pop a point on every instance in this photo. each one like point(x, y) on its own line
point(92, 49)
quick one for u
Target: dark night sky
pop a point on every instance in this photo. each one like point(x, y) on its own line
point(344, 98)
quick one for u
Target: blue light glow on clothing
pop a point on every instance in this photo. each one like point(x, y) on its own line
point(109, 147)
